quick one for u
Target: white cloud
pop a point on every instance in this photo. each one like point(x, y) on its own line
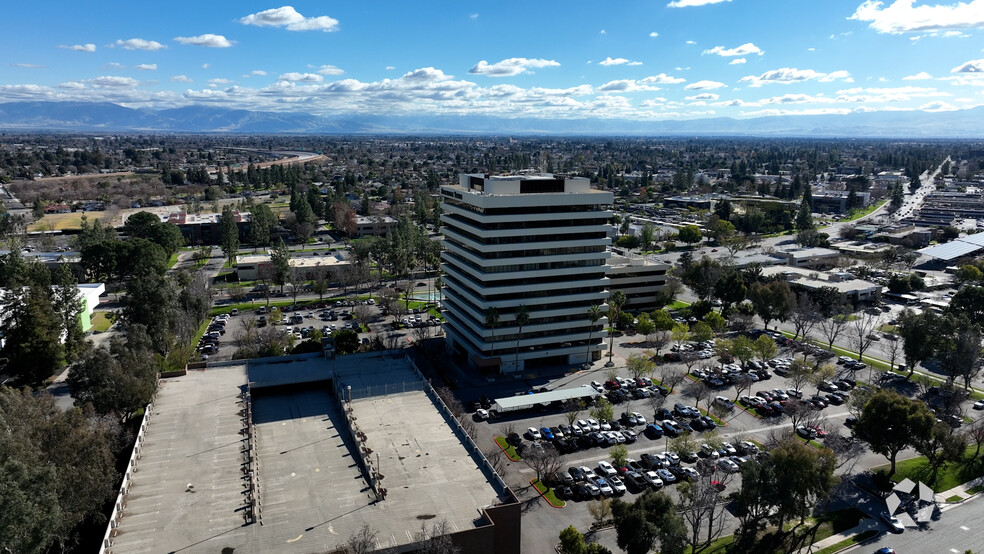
point(625, 85)
point(617, 61)
point(811, 49)
point(217, 82)
point(705, 85)
point(288, 18)
point(653, 34)
point(209, 40)
point(258, 73)
point(743, 50)
point(662, 79)
point(301, 77)
point(787, 75)
point(80, 47)
point(72, 85)
point(901, 16)
point(909, 91)
point(737, 61)
point(938, 106)
point(113, 81)
point(691, 3)
point(389, 68)
point(510, 66)
point(603, 31)
point(691, 42)
point(28, 65)
point(181, 79)
point(139, 44)
point(206, 65)
point(473, 16)
point(704, 96)
point(973, 66)
point(328, 70)
point(807, 111)
point(921, 76)
point(146, 67)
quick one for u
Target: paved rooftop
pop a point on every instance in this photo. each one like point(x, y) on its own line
point(312, 495)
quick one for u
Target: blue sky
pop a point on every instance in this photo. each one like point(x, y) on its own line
point(655, 59)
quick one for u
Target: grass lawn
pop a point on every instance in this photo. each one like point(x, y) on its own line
point(886, 328)
point(508, 449)
point(917, 469)
point(677, 304)
point(548, 494)
point(954, 498)
point(101, 322)
point(718, 546)
point(859, 538)
point(838, 521)
point(975, 490)
point(63, 222)
point(858, 214)
point(172, 261)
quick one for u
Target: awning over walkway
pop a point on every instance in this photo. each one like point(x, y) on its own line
point(522, 401)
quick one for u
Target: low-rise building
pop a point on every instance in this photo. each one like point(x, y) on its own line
point(805, 257)
point(851, 289)
point(206, 228)
point(639, 278)
point(836, 201)
point(260, 266)
point(374, 225)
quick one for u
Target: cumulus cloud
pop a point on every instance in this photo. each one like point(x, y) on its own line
point(921, 76)
point(787, 75)
point(973, 66)
point(139, 44)
point(705, 85)
point(258, 73)
point(510, 66)
point(704, 96)
point(209, 40)
point(691, 3)
point(737, 61)
point(72, 85)
point(743, 50)
point(807, 111)
point(288, 18)
point(691, 42)
point(301, 77)
point(937, 107)
point(28, 65)
point(653, 34)
point(626, 85)
point(113, 81)
point(146, 67)
point(181, 79)
point(79, 47)
point(901, 16)
point(662, 79)
point(328, 70)
point(618, 61)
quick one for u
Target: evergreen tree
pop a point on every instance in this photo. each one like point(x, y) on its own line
point(32, 333)
point(229, 230)
point(280, 258)
point(68, 305)
point(804, 218)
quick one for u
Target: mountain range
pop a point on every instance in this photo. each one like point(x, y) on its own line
point(109, 117)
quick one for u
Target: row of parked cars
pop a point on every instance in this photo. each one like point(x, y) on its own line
point(651, 471)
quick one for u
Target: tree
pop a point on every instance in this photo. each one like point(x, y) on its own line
point(969, 302)
point(697, 391)
point(680, 333)
point(765, 348)
point(799, 374)
point(650, 519)
point(668, 292)
point(689, 234)
point(615, 304)
point(572, 410)
point(67, 303)
point(363, 541)
point(804, 316)
point(522, 317)
point(644, 326)
point(229, 233)
point(890, 423)
point(603, 410)
point(619, 454)
point(491, 321)
point(743, 349)
point(862, 331)
point(346, 341)
point(833, 327)
point(916, 332)
point(941, 447)
point(32, 333)
point(702, 331)
point(730, 289)
point(700, 504)
point(594, 314)
point(741, 382)
point(543, 462)
point(702, 277)
point(772, 301)
point(670, 377)
point(804, 217)
point(572, 541)
point(639, 365)
point(280, 261)
point(959, 351)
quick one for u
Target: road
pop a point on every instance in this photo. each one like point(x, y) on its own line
point(957, 531)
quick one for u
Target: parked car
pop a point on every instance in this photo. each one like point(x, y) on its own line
point(893, 522)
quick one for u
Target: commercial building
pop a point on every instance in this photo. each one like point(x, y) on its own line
point(836, 201)
point(374, 225)
point(533, 242)
point(296, 454)
point(850, 289)
point(639, 278)
point(206, 228)
point(809, 257)
point(259, 266)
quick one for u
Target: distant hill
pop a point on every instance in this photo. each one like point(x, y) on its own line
point(104, 116)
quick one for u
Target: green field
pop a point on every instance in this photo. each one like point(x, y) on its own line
point(101, 322)
point(917, 469)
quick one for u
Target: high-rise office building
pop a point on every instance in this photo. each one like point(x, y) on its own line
point(533, 244)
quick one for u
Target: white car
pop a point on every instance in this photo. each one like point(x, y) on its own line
point(653, 479)
point(482, 414)
point(617, 484)
point(893, 522)
point(533, 433)
point(724, 401)
point(583, 425)
point(595, 426)
point(728, 466)
point(605, 426)
point(979, 405)
point(606, 469)
point(640, 419)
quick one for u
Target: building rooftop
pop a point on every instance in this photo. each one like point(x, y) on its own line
point(188, 492)
point(816, 279)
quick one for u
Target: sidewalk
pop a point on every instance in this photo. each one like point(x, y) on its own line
point(960, 490)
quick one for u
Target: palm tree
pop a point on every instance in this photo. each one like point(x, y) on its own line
point(522, 318)
point(594, 314)
point(615, 304)
point(491, 320)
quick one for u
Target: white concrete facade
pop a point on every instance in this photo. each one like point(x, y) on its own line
point(640, 279)
point(537, 241)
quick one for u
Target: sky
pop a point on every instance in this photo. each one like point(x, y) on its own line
point(652, 59)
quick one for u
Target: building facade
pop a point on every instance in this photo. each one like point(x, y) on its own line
point(639, 278)
point(536, 243)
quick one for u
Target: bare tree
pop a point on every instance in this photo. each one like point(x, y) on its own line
point(689, 360)
point(670, 377)
point(698, 391)
point(893, 350)
point(572, 410)
point(600, 510)
point(701, 507)
point(363, 541)
point(296, 281)
point(805, 316)
point(832, 327)
point(496, 459)
point(437, 540)
point(862, 332)
point(741, 382)
point(543, 462)
point(976, 434)
point(659, 339)
point(847, 449)
point(799, 374)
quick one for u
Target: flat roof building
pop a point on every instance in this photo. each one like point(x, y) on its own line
point(851, 289)
point(535, 241)
point(295, 454)
point(639, 278)
point(254, 266)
